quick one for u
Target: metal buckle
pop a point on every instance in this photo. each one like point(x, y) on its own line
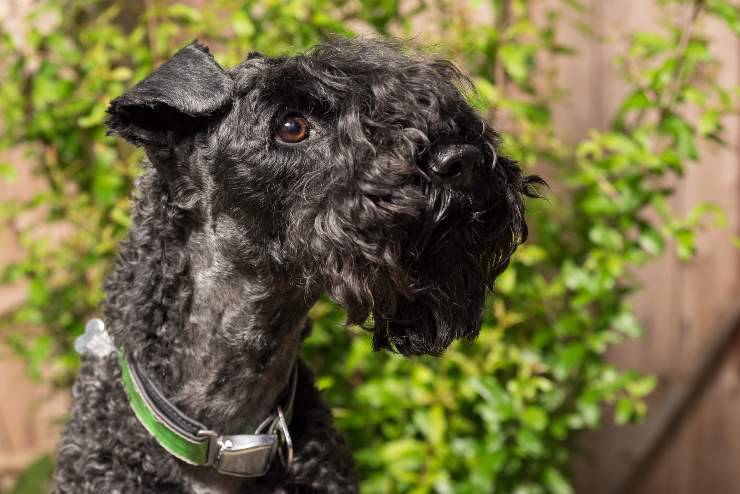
point(250, 455)
point(247, 455)
point(243, 455)
point(212, 446)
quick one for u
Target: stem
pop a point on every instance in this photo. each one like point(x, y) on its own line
point(503, 19)
point(151, 29)
point(668, 97)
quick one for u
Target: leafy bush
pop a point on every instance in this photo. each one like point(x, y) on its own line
point(496, 415)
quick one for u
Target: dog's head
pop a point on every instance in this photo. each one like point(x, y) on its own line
point(357, 168)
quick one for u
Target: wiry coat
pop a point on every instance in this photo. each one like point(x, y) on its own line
point(236, 234)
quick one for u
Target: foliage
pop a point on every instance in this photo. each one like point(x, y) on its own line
point(35, 479)
point(496, 415)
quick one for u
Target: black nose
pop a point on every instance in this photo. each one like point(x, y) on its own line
point(454, 164)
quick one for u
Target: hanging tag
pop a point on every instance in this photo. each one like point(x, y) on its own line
point(95, 340)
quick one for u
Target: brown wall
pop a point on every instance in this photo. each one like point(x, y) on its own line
point(29, 412)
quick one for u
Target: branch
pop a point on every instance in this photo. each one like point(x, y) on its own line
point(503, 19)
point(667, 97)
point(151, 29)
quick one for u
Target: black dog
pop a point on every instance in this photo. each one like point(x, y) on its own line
point(357, 170)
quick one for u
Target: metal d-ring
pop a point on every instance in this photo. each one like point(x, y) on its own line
point(287, 457)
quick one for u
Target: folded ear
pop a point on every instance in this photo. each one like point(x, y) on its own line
point(177, 97)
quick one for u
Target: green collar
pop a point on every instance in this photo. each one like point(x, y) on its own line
point(242, 455)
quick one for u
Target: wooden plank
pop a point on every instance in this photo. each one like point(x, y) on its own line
point(678, 407)
point(710, 285)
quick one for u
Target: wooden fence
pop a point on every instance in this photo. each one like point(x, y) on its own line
point(683, 306)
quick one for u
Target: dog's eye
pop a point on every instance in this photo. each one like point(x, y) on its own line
point(293, 129)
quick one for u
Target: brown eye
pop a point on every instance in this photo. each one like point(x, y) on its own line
point(293, 129)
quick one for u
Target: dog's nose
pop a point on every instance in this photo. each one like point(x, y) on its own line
point(454, 164)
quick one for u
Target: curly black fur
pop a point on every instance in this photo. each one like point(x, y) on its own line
point(236, 234)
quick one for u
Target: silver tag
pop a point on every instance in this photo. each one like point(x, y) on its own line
point(248, 455)
point(95, 340)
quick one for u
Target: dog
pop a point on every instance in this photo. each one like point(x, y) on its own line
point(356, 170)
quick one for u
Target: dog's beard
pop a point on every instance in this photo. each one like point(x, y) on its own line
point(354, 238)
point(418, 257)
point(450, 273)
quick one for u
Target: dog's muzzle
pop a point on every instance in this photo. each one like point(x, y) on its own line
point(241, 455)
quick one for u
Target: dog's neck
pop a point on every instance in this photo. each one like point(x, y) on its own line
point(219, 336)
point(245, 327)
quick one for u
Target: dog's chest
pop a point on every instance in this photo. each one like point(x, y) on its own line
point(206, 481)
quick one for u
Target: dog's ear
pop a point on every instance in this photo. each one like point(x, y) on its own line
point(180, 96)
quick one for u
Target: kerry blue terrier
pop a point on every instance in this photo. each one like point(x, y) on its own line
point(356, 170)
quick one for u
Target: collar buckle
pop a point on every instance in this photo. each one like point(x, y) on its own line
point(250, 455)
point(245, 455)
point(213, 446)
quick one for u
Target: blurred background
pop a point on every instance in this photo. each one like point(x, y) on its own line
point(609, 360)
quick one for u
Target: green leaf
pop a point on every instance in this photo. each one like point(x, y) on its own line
point(624, 411)
point(121, 74)
point(243, 25)
point(728, 12)
point(185, 12)
point(8, 172)
point(38, 292)
point(628, 324)
point(709, 123)
point(649, 43)
point(506, 281)
point(651, 241)
point(556, 483)
point(534, 417)
point(516, 60)
point(531, 444)
point(685, 243)
point(574, 276)
point(642, 386)
point(606, 237)
point(405, 454)
point(95, 117)
point(683, 135)
point(638, 100)
point(572, 355)
point(484, 95)
point(589, 411)
point(36, 478)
